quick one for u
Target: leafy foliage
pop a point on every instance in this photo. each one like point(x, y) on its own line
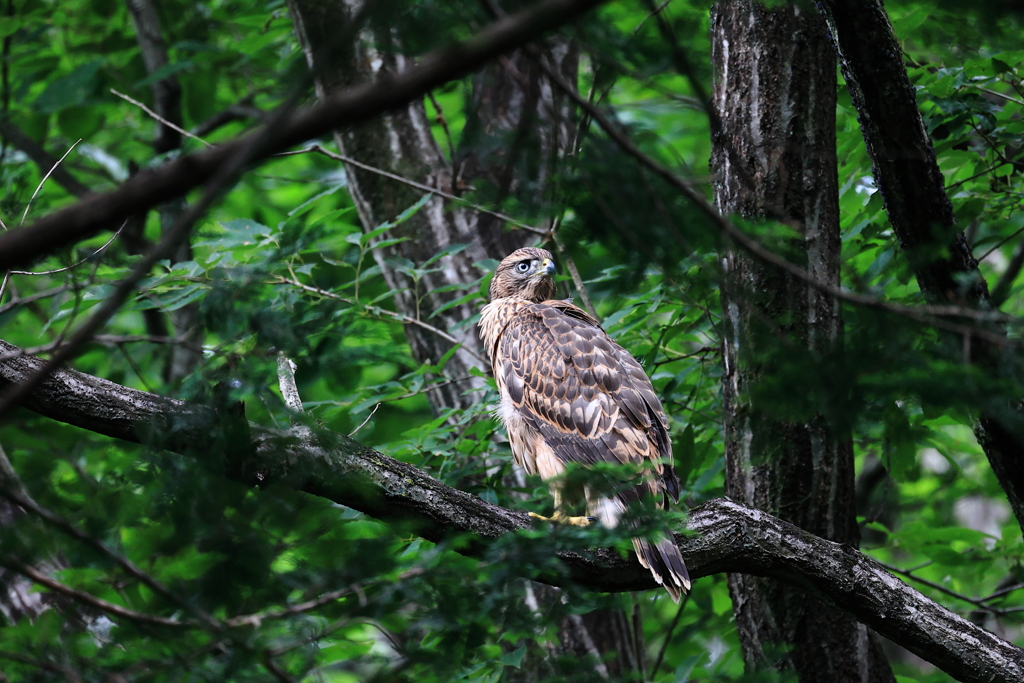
point(282, 267)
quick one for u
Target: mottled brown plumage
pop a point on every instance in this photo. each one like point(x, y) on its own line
point(571, 394)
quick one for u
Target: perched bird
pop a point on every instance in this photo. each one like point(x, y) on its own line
point(569, 394)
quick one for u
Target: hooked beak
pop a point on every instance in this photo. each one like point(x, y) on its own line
point(547, 267)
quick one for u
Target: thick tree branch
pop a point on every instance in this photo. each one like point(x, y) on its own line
point(907, 174)
point(727, 537)
point(902, 157)
point(351, 106)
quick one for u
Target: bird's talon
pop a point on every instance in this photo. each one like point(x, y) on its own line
point(574, 521)
point(559, 518)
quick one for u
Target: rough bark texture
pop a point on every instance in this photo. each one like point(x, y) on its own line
point(517, 127)
point(723, 536)
point(18, 597)
point(908, 176)
point(510, 103)
point(774, 158)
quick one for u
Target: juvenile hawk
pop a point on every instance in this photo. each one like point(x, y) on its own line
point(571, 394)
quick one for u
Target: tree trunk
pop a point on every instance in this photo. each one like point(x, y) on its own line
point(517, 128)
point(774, 158)
point(182, 358)
point(509, 100)
point(908, 177)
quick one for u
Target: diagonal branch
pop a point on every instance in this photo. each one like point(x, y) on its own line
point(727, 537)
point(345, 108)
point(904, 164)
point(43, 159)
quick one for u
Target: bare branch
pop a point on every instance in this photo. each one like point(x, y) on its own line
point(933, 315)
point(42, 182)
point(228, 172)
point(172, 126)
point(727, 537)
point(419, 186)
point(87, 598)
point(258, 618)
point(347, 107)
point(43, 159)
point(241, 110)
point(1001, 292)
point(20, 499)
point(376, 310)
point(75, 265)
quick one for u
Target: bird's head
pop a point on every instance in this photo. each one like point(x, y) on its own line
point(527, 273)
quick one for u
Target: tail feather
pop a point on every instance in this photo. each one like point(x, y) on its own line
point(666, 565)
point(661, 558)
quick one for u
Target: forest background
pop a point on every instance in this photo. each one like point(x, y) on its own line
point(818, 267)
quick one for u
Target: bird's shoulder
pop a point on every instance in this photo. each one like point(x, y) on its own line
point(588, 396)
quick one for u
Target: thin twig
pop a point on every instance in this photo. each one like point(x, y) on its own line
point(927, 314)
point(87, 598)
point(134, 366)
point(61, 524)
point(1002, 289)
point(346, 107)
point(444, 125)
point(68, 674)
point(655, 11)
point(668, 636)
point(230, 168)
point(87, 258)
point(363, 424)
point(258, 618)
point(43, 182)
point(242, 109)
point(380, 311)
point(29, 298)
point(1001, 243)
point(1005, 97)
point(43, 159)
point(159, 118)
point(419, 186)
point(1004, 591)
point(280, 674)
point(570, 265)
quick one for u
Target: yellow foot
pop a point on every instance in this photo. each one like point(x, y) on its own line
point(559, 518)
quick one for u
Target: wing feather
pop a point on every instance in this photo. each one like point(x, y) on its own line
point(586, 395)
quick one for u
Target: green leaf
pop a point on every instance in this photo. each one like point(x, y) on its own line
point(514, 658)
point(80, 122)
point(71, 90)
point(450, 250)
point(240, 232)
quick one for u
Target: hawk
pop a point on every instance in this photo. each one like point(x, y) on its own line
point(570, 394)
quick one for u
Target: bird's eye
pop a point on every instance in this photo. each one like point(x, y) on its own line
point(523, 266)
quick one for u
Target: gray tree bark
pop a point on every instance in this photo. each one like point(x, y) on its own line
point(774, 158)
point(908, 177)
point(510, 100)
point(724, 536)
point(518, 127)
point(182, 358)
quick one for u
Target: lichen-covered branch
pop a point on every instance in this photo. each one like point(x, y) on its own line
point(722, 536)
